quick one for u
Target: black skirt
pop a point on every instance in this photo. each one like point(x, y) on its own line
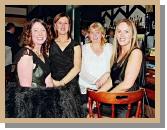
point(24, 102)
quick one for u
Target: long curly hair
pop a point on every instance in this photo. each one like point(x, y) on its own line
point(27, 36)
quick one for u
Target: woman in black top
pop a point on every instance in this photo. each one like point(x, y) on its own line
point(35, 96)
point(65, 57)
point(126, 72)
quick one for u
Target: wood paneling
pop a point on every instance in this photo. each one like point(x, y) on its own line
point(17, 21)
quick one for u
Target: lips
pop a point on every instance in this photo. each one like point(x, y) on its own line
point(122, 39)
point(95, 38)
point(40, 38)
point(62, 29)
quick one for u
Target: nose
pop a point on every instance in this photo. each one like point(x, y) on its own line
point(40, 33)
point(63, 25)
point(121, 33)
point(95, 36)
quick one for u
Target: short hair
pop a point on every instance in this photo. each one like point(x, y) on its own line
point(110, 30)
point(99, 26)
point(9, 26)
point(84, 28)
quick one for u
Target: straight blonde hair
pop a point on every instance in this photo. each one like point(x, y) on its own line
point(116, 49)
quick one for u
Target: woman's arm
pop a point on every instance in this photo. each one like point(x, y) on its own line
point(131, 72)
point(84, 74)
point(108, 85)
point(101, 81)
point(24, 70)
point(74, 71)
point(49, 81)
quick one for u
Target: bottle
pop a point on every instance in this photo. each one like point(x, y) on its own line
point(147, 23)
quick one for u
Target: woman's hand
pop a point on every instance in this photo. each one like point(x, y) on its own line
point(101, 81)
point(57, 83)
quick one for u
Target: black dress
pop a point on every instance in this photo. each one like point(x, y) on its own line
point(61, 64)
point(117, 75)
point(36, 101)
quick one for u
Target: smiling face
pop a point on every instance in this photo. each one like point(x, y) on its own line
point(62, 26)
point(123, 34)
point(39, 33)
point(95, 36)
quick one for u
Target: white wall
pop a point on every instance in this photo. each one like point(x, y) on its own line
point(136, 13)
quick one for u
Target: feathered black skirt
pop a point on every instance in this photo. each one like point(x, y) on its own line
point(24, 102)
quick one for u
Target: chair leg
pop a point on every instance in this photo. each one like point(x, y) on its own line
point(90, 108)
point(128, 112)
point(113, 111)
point(98, 110)
point(139, 111)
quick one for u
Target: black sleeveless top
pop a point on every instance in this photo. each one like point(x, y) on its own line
point(61, 62)
point(118, 73)
point(37, 101)
point(41, 70)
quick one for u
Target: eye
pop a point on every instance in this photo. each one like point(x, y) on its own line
point(126, 31)
point(91, 32)
point(59, 23)
point(118, 31)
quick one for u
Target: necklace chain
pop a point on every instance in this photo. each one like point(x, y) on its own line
point(39, 54)
point(60, 41)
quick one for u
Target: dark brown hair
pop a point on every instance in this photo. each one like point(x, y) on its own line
point(56, 18)
point(27, 35)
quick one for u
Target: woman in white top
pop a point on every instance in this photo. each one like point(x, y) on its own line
point(96, 56)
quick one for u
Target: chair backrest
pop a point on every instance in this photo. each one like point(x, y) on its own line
point(116, 98)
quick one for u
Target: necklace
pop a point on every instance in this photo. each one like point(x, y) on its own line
point(63, 41)
point(62, 44)
point(38, 53)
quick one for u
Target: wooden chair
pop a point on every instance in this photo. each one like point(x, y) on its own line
point(113, 99)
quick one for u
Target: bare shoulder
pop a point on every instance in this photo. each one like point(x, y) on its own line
point(26, 59)
point(77, 47)
point(136, 56)
point(136, 53)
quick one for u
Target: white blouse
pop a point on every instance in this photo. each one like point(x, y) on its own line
point(93, 66)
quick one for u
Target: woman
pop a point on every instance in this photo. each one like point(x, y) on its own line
point(96, 56)
point(65, 57)
point(35, 96)
point(126, 73)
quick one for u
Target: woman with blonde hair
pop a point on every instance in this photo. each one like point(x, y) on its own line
point(127, 60)
point(96, 56)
